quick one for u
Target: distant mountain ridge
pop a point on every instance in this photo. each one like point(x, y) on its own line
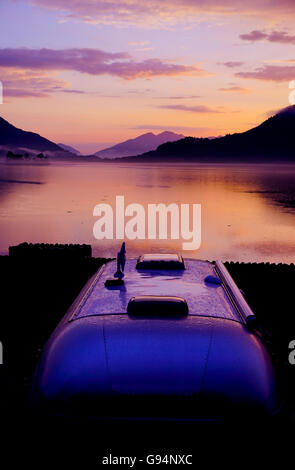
point(271, 141)
point(69, 148)
point(140, 144)
point(11, 135)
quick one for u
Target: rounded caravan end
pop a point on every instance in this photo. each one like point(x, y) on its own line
point(102, 362)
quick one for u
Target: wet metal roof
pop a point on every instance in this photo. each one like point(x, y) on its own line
point(202, 298)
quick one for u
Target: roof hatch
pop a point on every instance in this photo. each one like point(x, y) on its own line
point(156, 305)
point(160, 261)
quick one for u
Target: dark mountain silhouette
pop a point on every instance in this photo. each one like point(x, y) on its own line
point(140, 144)
point(68, 148)
point(273, 140)
point(11, 135)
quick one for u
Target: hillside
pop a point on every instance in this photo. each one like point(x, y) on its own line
point(69, 148)
point(271, 141)
point(11, 135)
point(140, 144)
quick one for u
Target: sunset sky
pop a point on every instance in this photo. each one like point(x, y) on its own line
point(95, 72)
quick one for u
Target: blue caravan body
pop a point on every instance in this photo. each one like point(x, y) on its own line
point(175, 339)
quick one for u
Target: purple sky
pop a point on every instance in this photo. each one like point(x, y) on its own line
point(91, 73)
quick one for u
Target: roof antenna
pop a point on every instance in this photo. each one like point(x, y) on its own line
point(117, 280)
point(121, 260)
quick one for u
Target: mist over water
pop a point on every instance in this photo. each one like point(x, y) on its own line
point(248, 211)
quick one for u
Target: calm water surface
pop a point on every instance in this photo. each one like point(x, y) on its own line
point(248, 212)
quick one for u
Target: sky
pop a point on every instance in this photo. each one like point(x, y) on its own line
point(92, 73)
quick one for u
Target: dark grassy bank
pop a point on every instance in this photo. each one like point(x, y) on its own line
point(269, 290)
point(39, 283)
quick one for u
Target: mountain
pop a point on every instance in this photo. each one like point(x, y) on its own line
point(140, 144)
point(11, 135)
point(271, 141)
point(68, 148)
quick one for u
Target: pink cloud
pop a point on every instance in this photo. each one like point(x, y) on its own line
point(180, 97)
point(281, 36)
point(24, 93)
point(192, 109)
point(233, 63)
point(253, 36)
point(158, 127)
point(22, 84)
point(94, 62)
point(275, 73)
point(82, 60)
point(155, 12)
point(274, 36)
point(235, 89)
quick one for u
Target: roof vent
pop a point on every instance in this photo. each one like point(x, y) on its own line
point(157, 306)
point(160, 261)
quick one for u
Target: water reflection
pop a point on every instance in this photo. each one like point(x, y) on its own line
point(248, 212)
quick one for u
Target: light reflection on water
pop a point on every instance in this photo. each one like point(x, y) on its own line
point(248, 211)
